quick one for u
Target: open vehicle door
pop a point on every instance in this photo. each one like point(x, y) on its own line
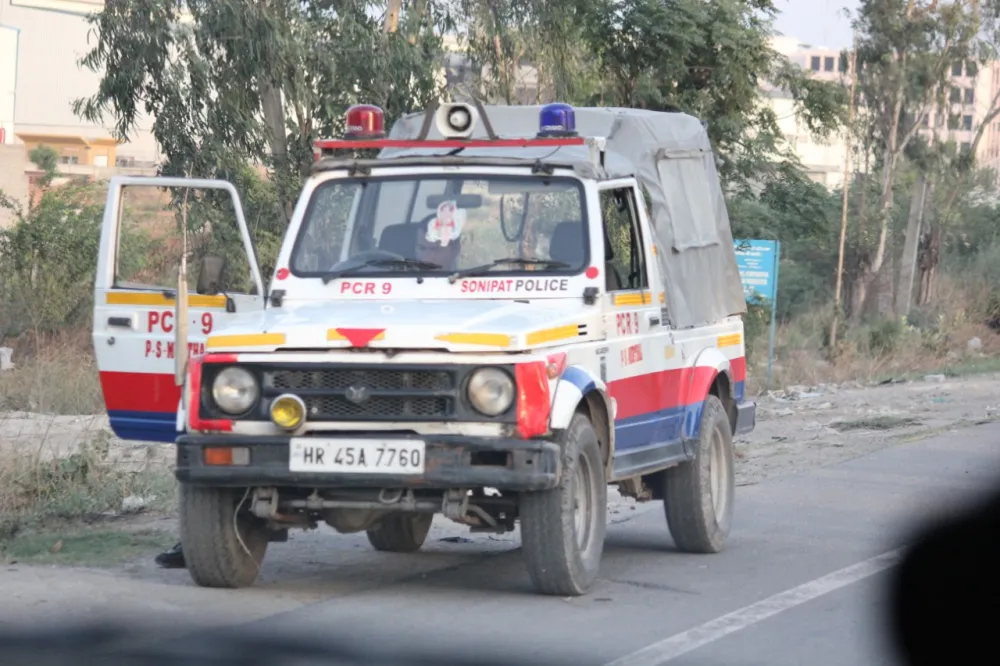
point(135, 292)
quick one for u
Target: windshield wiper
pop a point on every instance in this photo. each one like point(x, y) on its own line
point(485, 268)
point(401, 264)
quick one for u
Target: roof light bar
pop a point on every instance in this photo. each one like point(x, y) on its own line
point(340, 144)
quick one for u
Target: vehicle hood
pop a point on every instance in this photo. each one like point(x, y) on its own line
point(453, 325)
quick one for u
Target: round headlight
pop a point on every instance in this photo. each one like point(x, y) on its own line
point(235, 390)
point(491, 391)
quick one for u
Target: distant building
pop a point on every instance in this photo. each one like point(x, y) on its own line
point(41, 42)
point(970, 96)
point(822, 159)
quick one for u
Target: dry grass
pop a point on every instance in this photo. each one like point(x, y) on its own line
point(52, 375)
point(58, 460)
point(933, 339)
point(96, 479)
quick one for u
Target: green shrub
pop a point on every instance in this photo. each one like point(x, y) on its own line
point(47, 260)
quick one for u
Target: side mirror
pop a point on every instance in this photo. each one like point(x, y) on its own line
point(210, 272)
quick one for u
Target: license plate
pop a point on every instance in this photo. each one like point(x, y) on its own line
point(357, 456)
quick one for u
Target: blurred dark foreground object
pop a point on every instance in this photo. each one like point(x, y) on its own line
point(125, 645)
point(945, 605)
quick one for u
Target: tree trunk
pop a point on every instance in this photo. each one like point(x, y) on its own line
point(929, 258)
point(859, 289)
point(273, 109)
point(859, 293)
point(871, 276)
point(908, 262)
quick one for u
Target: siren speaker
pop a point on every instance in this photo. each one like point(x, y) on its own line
point(456, 121)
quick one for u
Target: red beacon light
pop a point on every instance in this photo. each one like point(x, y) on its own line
point(365, 121)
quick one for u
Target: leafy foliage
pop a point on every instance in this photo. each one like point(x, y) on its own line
point(706, 59)
point(47, 260)
point(253, 82)
point(47, 160)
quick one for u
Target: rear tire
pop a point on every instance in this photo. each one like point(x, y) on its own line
point(699, 494)
point(213, 551)
point(562, 530)
point(401, 532)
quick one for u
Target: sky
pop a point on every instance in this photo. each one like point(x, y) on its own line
point(816, 22)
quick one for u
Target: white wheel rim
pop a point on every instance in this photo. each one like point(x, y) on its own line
point(583, 503)
point(718, 473)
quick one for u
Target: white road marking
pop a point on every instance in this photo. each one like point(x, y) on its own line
point(669, 649)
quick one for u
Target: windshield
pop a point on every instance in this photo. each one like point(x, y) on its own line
point(467, 224)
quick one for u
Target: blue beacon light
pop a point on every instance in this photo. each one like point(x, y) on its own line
point(556, 120)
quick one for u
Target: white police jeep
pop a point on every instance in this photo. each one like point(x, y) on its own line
point(507, 310)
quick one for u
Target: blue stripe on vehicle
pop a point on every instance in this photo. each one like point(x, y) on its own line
point(579, 378)
point(144, 426)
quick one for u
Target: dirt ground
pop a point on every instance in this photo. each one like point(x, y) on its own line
point(809, 426)
point(798, 428)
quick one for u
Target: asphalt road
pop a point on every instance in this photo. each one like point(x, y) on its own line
point(801, 581)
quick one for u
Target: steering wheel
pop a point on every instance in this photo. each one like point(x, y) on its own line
point(366, 256)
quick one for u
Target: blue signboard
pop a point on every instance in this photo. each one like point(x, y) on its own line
point(758, 264)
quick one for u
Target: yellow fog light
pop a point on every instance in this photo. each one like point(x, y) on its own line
point(288, 411)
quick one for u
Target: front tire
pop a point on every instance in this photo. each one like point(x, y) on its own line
point(562, 530)
point(401, 532)
point(699, 494)
point(215, 553)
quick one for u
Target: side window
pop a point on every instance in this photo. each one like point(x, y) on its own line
point(327, 220)
point(625, 267)
point(151, 239)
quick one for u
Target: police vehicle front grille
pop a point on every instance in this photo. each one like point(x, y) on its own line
point(374, 379)
point(367, 393)
point(335, 408)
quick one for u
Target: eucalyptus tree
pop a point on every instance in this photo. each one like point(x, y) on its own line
point(226, 82)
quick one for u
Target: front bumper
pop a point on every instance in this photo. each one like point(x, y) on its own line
point(451, 461)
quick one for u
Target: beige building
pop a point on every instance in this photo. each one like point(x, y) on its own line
point(970, 96)
point(41, 42)
point(822, 158)
point(8, 80)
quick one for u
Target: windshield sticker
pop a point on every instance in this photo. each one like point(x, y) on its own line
point(448, 224)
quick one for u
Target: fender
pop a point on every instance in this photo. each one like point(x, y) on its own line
point(575, 382)
point(708, 364)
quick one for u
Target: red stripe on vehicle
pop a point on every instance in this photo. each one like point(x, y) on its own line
point(739, 366)
point(657, 391)
point(140, 392)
